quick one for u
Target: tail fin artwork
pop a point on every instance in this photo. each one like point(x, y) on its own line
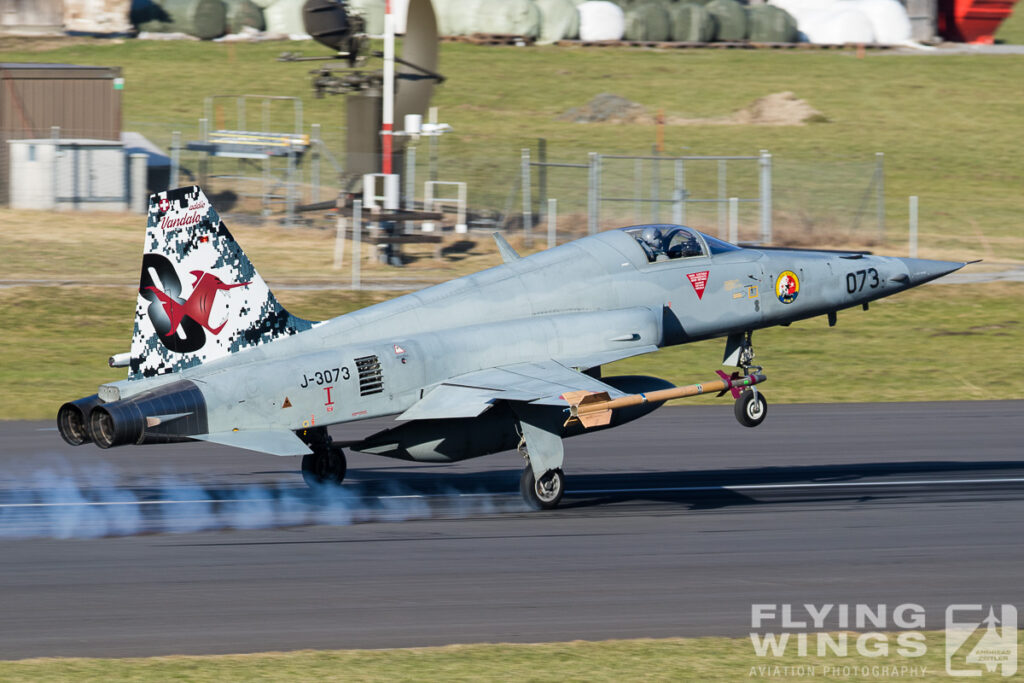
point(200, 298)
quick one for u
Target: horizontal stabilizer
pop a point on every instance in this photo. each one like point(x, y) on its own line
point(271, 441)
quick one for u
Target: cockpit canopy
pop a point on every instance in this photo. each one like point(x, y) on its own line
point(671, 242)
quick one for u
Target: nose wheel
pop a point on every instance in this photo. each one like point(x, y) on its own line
point(751, 407)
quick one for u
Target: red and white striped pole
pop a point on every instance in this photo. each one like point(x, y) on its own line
point(388, 122)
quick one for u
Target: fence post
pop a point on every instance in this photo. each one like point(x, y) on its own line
point(655, 190)
point(314, 168)
point(137, 192)
point(410, 182)
point(734, 220)
point(357, 239)
point(552, 221)
point(175, 159)
point(880, 188)
point(638, 188)
point(722, 206)
point(339, 237)
point(524, 161)
point(913, 227)
point(592, 198)
point(766, 197)
point(679, 194)
point(290, 188)
point(542, 177)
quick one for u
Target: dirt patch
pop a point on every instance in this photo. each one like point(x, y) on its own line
point(777, 109)
point(608, 108)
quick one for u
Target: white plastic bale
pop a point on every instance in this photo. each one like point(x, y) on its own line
point(455, 17)
point(601, 20)
point(263, 4)
point(888, 18)
point(372, 11)
point(847, 25)
point(285, 16)
point(559, 19)
point(507, 17)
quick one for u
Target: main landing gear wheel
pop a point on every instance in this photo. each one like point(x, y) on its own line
point(751, 408)
point(544, 493)
point(325, 466)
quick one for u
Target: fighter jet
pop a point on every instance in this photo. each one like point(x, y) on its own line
point(505, 359)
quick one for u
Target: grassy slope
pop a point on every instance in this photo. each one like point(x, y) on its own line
point(690, 659)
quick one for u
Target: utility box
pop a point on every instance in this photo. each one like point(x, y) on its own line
point(63, 175)
point(83, 102)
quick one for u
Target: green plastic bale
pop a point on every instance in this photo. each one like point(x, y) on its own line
point(205, 19)
point(507, 17)
point(559, 19)
point(691, 23)
point(648, 22)
point(771, 24)
point(730, 20)
point(242, 13)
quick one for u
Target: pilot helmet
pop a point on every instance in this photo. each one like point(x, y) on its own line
point(652, 236)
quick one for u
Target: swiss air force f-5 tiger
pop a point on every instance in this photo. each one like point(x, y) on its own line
point(502, 359)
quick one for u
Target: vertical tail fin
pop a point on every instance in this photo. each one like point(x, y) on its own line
point(200, 298)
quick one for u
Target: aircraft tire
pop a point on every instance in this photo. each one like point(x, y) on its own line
point(750, 411)
point(545, 495)
point(325, 466)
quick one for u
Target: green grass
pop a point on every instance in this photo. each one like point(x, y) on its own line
point(677, 659)
point(939, 342)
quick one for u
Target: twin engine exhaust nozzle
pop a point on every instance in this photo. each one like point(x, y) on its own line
point(173, 412)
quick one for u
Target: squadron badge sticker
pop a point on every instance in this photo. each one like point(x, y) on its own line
point(787, 287)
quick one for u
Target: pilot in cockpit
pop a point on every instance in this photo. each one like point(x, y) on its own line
point(653, 243)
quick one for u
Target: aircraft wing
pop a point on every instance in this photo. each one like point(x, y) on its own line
point(471, 394)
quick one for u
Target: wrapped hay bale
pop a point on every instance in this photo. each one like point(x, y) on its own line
point(507, 17)
point(647, 21)
point(888, 19)
point(559, 19)
point(691, 23)
point(601, 20)
point(456, 17)
point(241, 13)
point(770, 24)
point(285, 16)
point(730, 20)
point(372, 11)
point(204, 19)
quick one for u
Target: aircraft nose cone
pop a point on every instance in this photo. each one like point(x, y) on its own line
point(920, 271)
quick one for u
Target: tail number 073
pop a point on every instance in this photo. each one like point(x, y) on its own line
point(855, 281)
point(321, 377)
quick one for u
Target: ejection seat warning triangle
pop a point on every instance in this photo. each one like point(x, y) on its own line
point(699, 282)
point(287, 403)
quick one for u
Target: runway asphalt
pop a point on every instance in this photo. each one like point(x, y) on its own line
point(672, 526)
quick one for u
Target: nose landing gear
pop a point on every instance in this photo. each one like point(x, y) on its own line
point(751, 407)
